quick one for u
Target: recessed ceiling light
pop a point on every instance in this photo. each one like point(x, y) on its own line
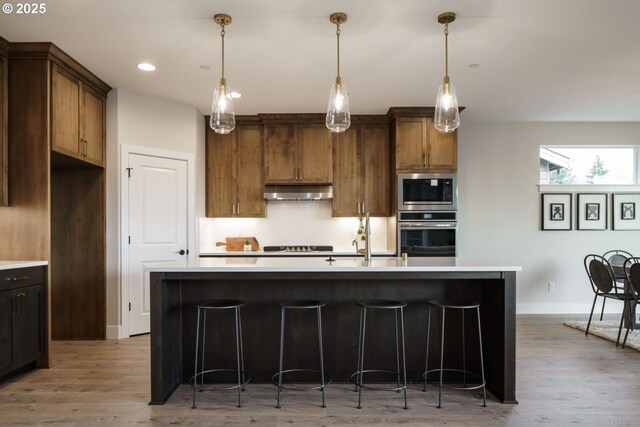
point(204, 67)
point(145, 66)
point(236, 95)
point(474, 65)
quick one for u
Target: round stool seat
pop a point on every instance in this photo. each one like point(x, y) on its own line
point(220, 304)
point(381, 303)
point(301, 303)
point(453, 303)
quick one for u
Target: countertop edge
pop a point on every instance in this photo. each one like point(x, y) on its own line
point(10, 265)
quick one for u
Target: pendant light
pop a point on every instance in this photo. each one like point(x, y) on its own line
point(446, 117)
point(338, 117)
point(222, 118)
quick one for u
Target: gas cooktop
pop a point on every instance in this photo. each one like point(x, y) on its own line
point(298, 248)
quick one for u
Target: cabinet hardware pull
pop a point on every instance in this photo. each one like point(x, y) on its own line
point(86, 147)
point(14, 279)
point(24, 309)
point(238, 208)
point(233, 209)
point(363, 211)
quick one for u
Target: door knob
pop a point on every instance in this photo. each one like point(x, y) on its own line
point(181, 252)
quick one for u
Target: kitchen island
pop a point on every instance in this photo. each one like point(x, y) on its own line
point(261, 282)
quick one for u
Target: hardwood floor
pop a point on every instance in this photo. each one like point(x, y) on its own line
point(563, 377)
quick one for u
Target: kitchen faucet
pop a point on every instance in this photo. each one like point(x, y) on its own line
point(367, 238)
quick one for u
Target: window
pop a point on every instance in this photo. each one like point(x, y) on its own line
point(591, 165)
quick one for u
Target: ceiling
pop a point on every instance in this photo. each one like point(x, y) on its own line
point(539, 60)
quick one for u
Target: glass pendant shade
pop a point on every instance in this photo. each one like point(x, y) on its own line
point(338, 116)
point(223, 119)
point(447, 116)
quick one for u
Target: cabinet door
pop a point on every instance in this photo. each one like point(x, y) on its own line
point(220, 173)
point(6, 331)
point(443, 149)
point(92, 126)
point(65, 112)
point(280, 155)
point(411, 140)
point(249, 172)
point(314, 154)
point(4, 125)
point(374, 145)
point(28, 332)
point(346, 174)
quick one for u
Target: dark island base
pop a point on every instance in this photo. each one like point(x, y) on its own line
point(174, 296)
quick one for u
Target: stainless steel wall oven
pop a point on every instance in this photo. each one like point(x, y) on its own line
point(427, 233)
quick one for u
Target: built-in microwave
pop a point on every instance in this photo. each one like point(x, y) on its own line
point(427, 191)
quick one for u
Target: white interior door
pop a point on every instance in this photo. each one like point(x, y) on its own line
point(157, 226)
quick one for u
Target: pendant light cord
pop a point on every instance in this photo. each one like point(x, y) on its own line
point(222, 36)
point(446, 50)
point(338, 47)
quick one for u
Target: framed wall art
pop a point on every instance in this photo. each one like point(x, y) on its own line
point(591, 211)
point(624, 211)
point(555, 211)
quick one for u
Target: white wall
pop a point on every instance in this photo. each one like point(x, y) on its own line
point(293, 223)
point(499, 210)
point(144, 121)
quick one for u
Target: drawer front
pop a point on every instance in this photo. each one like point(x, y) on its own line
point(20, 277)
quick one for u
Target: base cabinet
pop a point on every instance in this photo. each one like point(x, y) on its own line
point(22, 319)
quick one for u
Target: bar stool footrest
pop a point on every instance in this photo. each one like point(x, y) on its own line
point(274, 380)
point(453, 387)
point(354, 380)
point(233, 387)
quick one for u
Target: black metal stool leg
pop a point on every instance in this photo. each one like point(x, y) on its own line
point(364, 329)
point(204, 336)
point(426, 359)
point(441, 360)
point(395, 313)
point(624, 309)
point(604, 300)
point(404, 359)
point(464, 354)
point(484, 383)
point(238, 365)
point(195, 363)
point(358, 369)
point(281, 356)
point(241, 349)
point(324, 405)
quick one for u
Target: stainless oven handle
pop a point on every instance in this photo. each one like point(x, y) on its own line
point(428, 225)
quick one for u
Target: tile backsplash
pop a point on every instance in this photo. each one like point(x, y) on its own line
point(292, 223)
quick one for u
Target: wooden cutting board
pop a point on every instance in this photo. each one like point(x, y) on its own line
point(236, 244)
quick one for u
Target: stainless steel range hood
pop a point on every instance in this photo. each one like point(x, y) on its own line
point(298, 193)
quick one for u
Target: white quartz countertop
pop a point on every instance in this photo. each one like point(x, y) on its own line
point(262, 253)
point(312, 264)
point(9, 265)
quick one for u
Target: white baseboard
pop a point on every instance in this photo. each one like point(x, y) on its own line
point(114, 332)
point(568, 308)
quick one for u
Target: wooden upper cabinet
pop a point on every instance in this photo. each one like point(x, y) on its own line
point(298, 154)
point(4, 125)
point(280, 154)
point(77, 118)
point(234, 173)
point(361, 171)
point(314, 154)
point(419, 146)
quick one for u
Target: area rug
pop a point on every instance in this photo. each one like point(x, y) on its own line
point(607, 330)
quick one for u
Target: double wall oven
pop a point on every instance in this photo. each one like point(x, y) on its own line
point(427, 214)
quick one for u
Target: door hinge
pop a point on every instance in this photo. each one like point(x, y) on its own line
point(129, 172)
point(129, 239)
point(187, 251)
point(129, 306)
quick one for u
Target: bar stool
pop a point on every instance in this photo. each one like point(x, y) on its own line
point(300, 305)
point(398, 308)
point(243, 379)
point(461, 305)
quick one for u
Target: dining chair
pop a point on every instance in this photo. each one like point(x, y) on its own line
point(616, 258)
point(604, 285)
point(632, 274)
